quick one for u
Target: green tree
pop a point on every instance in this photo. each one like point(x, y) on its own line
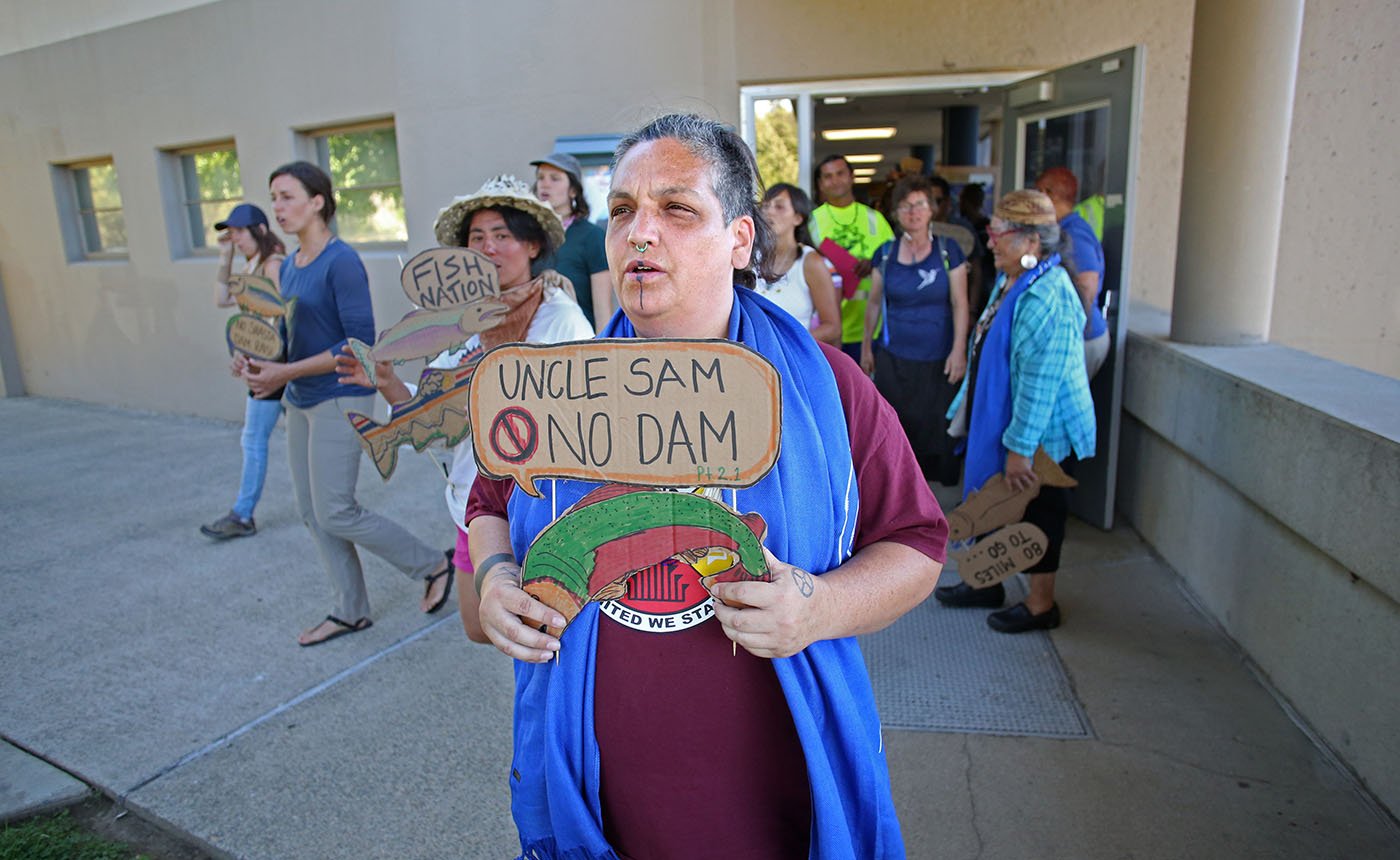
point(775, 136)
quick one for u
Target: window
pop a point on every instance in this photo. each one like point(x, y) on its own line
point(363, 163)
point(97, 225)
point(210, 185)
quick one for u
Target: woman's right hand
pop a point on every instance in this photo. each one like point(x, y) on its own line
point(867, 359)
point(512, 618)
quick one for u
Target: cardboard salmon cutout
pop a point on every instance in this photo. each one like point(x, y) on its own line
point(437, 411)
point(615, 531)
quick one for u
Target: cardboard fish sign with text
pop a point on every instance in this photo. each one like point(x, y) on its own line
point(654, 413)
point(456, 291)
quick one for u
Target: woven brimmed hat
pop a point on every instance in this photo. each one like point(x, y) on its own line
point(503, 190)
point(1028, 207)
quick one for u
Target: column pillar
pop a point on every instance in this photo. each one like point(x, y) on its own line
point(1244, 60)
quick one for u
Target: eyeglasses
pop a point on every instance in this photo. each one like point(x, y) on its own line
point(911, 206)
point(995, 235)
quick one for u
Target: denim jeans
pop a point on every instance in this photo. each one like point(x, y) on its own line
point(259, 418)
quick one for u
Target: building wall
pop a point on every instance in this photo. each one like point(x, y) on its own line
point(1333, 297)
point(1280, 525)
point(28, 25)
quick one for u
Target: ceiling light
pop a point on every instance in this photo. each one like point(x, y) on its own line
point(867, 158)
point(835, 100)
point(882, 133)
point(862, 180)
point(863, 171)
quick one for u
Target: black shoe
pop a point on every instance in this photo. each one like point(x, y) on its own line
point(229, 526)
point(1019, 619)
point(963, 594)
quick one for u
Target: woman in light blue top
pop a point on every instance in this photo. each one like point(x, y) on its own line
point(328, 283)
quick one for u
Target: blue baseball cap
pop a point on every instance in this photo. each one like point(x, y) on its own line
point(243, 215)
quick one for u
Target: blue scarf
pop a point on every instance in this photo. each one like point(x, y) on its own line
point(991, 401)
point(810, 503)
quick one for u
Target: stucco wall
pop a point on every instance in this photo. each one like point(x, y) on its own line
point(1333, 297)
point(472, 95)
point(28, 24)
point(792, 40)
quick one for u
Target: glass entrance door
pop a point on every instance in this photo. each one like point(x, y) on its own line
point(1084, 117)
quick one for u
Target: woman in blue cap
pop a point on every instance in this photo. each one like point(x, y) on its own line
point(246, 230)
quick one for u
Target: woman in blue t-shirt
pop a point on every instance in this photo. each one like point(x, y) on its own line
point(326, 287)
point(918, 282)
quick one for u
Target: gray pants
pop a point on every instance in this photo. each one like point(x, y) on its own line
point(324, 455)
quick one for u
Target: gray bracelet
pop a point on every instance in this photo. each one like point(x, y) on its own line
point(485, 568)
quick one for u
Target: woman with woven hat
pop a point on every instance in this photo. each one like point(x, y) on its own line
point(1026, 388)
point(513, 228)
point(328, 282)
point(580, 257)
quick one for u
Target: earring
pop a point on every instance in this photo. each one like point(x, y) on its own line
point(1029, 261)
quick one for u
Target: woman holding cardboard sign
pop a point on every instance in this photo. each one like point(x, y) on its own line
point(1026, 388)
point(246, 230)
point(513, 228)
point(331, 290)
point(785, 753)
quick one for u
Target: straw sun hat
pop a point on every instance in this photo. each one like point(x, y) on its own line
point(503, 190)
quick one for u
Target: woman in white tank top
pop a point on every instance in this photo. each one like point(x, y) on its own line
point(805, 288)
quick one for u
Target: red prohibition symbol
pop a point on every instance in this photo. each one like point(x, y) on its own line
point(514, 435)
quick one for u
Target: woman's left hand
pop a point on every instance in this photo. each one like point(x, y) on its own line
point(265, 377)
point(1020, 472)
point(772, 619)
point(956, 365)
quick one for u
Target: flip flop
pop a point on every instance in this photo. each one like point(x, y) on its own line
point(451, 574)
point(345, 629)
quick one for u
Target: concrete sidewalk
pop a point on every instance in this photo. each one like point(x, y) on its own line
point(162, 669)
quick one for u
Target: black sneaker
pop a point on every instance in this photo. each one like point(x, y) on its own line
point(228, 526)
point(963, 594)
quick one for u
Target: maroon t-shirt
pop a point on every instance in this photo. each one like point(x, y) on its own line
point(699, 754)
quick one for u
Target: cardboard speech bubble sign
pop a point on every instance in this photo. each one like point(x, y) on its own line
point(657, 413)
point(440, 278)
point(254, 336)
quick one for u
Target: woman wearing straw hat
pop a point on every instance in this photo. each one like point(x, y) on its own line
point(581, 257)
point(513, 228)
point(246, 230)
point(328, 281)
point(1026, 388)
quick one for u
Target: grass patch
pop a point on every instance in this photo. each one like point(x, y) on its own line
point(59, 837)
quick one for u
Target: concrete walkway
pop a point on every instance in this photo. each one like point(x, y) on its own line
point(162, 669)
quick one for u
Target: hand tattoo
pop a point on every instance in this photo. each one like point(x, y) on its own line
point(803, 580)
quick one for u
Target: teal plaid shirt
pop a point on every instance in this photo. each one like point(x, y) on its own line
point(1050, 402)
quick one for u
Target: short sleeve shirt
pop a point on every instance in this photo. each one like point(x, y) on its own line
point(918, 310)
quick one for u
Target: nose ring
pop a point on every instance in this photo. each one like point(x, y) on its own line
point(642, 248)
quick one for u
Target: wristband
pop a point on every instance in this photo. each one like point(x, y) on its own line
point(485, 568)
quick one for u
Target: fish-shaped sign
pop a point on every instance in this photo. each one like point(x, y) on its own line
point(257, 295)
point(437, 411)
point(615, 531)
point(426, 333)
